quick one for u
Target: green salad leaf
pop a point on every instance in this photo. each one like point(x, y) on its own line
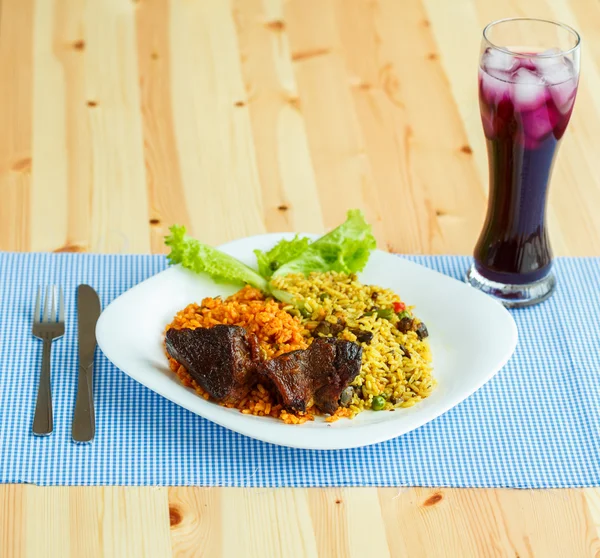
point(345, 249)
point(283, 252)
point(202, 258)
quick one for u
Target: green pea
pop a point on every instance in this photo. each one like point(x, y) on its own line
point(404, 314)
point(305, 313)
point(378, 403)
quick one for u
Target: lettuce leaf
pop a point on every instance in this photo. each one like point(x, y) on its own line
point(283, 252)
point(345, 249)
point(202, 258)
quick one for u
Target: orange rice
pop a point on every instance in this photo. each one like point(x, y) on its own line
point(277, 331)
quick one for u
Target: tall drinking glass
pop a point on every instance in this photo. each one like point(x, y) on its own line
point(528, 77)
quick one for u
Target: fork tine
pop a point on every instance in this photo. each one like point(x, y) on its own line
point(38, 305)
point(53, 313)
point(61, 305)
point(46, 314)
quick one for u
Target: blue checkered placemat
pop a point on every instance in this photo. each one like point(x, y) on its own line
point(535, 425)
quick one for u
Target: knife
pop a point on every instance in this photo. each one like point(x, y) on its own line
point(88, 312)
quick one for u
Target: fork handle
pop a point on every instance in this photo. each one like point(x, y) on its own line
point(42, 420)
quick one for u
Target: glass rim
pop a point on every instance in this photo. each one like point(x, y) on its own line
point(564, 26)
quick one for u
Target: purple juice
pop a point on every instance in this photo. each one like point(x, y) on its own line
point(526, 104)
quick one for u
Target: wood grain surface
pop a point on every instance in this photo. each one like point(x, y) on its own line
point(236, 117)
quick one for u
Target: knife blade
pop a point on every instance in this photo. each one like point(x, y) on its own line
point(83, 427)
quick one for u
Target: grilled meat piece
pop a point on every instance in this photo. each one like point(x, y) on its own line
point(318, 374)
point(347, 363)
point(222, 359)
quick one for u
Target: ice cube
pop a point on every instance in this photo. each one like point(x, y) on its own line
point(557, 73)
point(528, 90)
point(494, 87)
point(563, 95)
point(539, 122)
point(526, 62)
point(550, 52)
point(548, 58)
point(498, 60)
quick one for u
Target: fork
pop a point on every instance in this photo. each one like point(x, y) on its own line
point(47, 326)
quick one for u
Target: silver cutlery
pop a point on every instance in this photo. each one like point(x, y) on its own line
point(48, 325)
point(83, 427)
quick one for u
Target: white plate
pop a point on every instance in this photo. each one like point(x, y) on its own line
point(471, 336)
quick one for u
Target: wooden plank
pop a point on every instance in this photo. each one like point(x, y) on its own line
point(576, 208)
point(195, 517)
point(69, 104)
point(83, 521)
point(49, 180)
point(12, 518)
point(119, 204)
point(117, 521)
point(552, 522)
point(348, 522)
point(128, 512)
point(240, 522)
point(16, 77)
point(167, 204)
point(455, 522)
point(336, 142)
point(216, 151)
point(459, 60)
point(260, 514)
point(383, 522)
point(592, 498)
point(105, 176)
point(421, 158)
point(285, 169)
point(372, 137)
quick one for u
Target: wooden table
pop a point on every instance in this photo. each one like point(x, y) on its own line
point(121, 117)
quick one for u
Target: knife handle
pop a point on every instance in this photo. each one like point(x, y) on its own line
point(84, 422)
